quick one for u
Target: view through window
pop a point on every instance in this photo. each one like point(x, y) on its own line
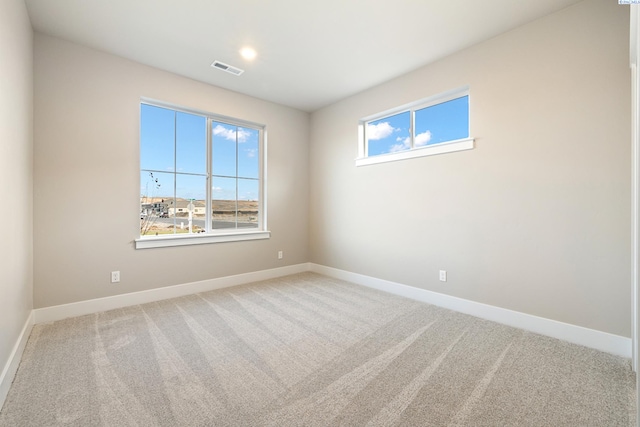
point(198, 173)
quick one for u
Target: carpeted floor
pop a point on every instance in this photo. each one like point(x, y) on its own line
point(307, 350)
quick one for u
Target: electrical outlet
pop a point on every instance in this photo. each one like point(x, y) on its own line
point(280, 255)
point(443, 275)
point(115, 277)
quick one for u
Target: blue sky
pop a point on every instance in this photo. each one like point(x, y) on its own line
point(443, 122)
point(176, 141)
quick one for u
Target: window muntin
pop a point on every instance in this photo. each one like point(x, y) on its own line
point(398, 133)
point(180, 153)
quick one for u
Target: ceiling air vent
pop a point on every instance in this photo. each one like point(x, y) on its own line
point(226, 67)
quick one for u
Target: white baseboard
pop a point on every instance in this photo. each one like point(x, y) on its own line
point(591, 338)
point(58, 312)
point(598, 340)
point(10, 369)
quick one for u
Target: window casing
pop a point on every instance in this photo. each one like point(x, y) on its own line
point(435, 125)
point(201, 177)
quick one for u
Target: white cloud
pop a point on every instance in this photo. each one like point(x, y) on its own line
point(404, 144)
point(401, 146)
point(230, 134)
point(423, 138)
point(379, 131)
point(216, 189)
point(251, 152)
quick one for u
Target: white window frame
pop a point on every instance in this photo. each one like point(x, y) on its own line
point(363, 158)
point(215, 235)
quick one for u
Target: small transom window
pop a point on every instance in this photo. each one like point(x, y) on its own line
point(430, 126)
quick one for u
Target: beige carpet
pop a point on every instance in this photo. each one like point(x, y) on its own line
point(307, 350)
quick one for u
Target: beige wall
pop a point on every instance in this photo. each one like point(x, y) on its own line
point(87, 153)
point(537, 217)
point(16, 169)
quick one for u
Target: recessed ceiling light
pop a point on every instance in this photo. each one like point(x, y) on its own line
point(248, 53)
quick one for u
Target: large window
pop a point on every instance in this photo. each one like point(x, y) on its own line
point(430, 126)
point(201, 177)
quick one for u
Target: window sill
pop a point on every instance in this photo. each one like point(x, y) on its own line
point(198, 239)
point(429, 150)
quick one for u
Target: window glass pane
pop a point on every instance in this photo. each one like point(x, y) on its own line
point(157, 132)
point(223, 152)
point(156, 196)
point(248, 195)
point(442, 122)
point(191, 143)
point(389, 135)
point(248, 153)
point(190, 198)
point(223, 204)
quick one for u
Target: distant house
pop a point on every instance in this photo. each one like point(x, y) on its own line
point(181, 208)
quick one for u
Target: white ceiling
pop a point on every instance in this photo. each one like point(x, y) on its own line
point(310, 53)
